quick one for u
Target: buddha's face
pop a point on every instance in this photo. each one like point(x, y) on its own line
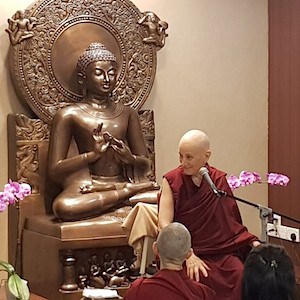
point(101, 77)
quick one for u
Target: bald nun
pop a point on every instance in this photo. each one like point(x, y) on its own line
point(220, 241)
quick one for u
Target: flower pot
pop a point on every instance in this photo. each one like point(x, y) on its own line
point(9, 295)
point(5, 294)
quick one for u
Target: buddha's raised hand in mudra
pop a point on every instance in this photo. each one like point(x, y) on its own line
point(97, 149)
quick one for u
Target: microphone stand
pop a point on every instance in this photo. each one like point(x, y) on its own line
point(264, 214)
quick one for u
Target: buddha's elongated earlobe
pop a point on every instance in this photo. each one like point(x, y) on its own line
point(81, 81)
point(81, 78)
point(84, 91)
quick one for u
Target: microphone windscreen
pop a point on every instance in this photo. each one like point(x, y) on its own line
point(203, 170)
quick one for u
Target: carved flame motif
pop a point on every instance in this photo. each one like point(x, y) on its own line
point(147, 122)
point(29, 132)
point(27, 166)
point(31, 129)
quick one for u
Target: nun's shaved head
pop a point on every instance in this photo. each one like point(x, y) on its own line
point(174, 243)
point(197, 138)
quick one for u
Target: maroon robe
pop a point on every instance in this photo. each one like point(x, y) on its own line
point(215, 224)
point(168, 284)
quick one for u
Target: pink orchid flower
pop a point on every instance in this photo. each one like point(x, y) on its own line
point(3, 206)
point(23, 191)
point(248, 178)
point(12, 193)
point(233, 182)
point(257, 177)
point(277, 179)
point(7, 197)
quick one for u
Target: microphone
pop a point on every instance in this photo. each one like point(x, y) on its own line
point(204, 172)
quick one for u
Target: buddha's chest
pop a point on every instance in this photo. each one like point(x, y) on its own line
point(84, 129)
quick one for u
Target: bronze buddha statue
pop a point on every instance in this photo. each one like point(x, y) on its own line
point(97, 150)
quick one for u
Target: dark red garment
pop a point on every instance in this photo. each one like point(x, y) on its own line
point(215, 224)
point(168, 285)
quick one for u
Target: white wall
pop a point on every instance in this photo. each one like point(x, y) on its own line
point(212, 75)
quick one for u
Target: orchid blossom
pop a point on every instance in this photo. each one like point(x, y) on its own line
point(247, 178)
point(13, 192)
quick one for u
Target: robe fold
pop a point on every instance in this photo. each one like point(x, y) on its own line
point(215, 224)
point(168, 284)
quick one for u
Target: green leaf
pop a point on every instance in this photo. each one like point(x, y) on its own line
point(7, 267)
point(18, 287)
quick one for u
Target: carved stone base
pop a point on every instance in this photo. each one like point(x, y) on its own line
point(56, 264)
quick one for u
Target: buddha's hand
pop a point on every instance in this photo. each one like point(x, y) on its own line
point(123, 151)
point(194, 266)
point(101, 144)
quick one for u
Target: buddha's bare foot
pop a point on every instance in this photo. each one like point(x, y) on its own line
point(155, 185)
point(141, 186)
point(98, 187)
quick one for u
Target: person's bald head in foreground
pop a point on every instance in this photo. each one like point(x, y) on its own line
point(173, 246)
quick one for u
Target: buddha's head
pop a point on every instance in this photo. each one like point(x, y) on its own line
point(97, 70)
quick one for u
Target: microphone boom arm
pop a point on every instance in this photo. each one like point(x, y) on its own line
point(264, 214)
